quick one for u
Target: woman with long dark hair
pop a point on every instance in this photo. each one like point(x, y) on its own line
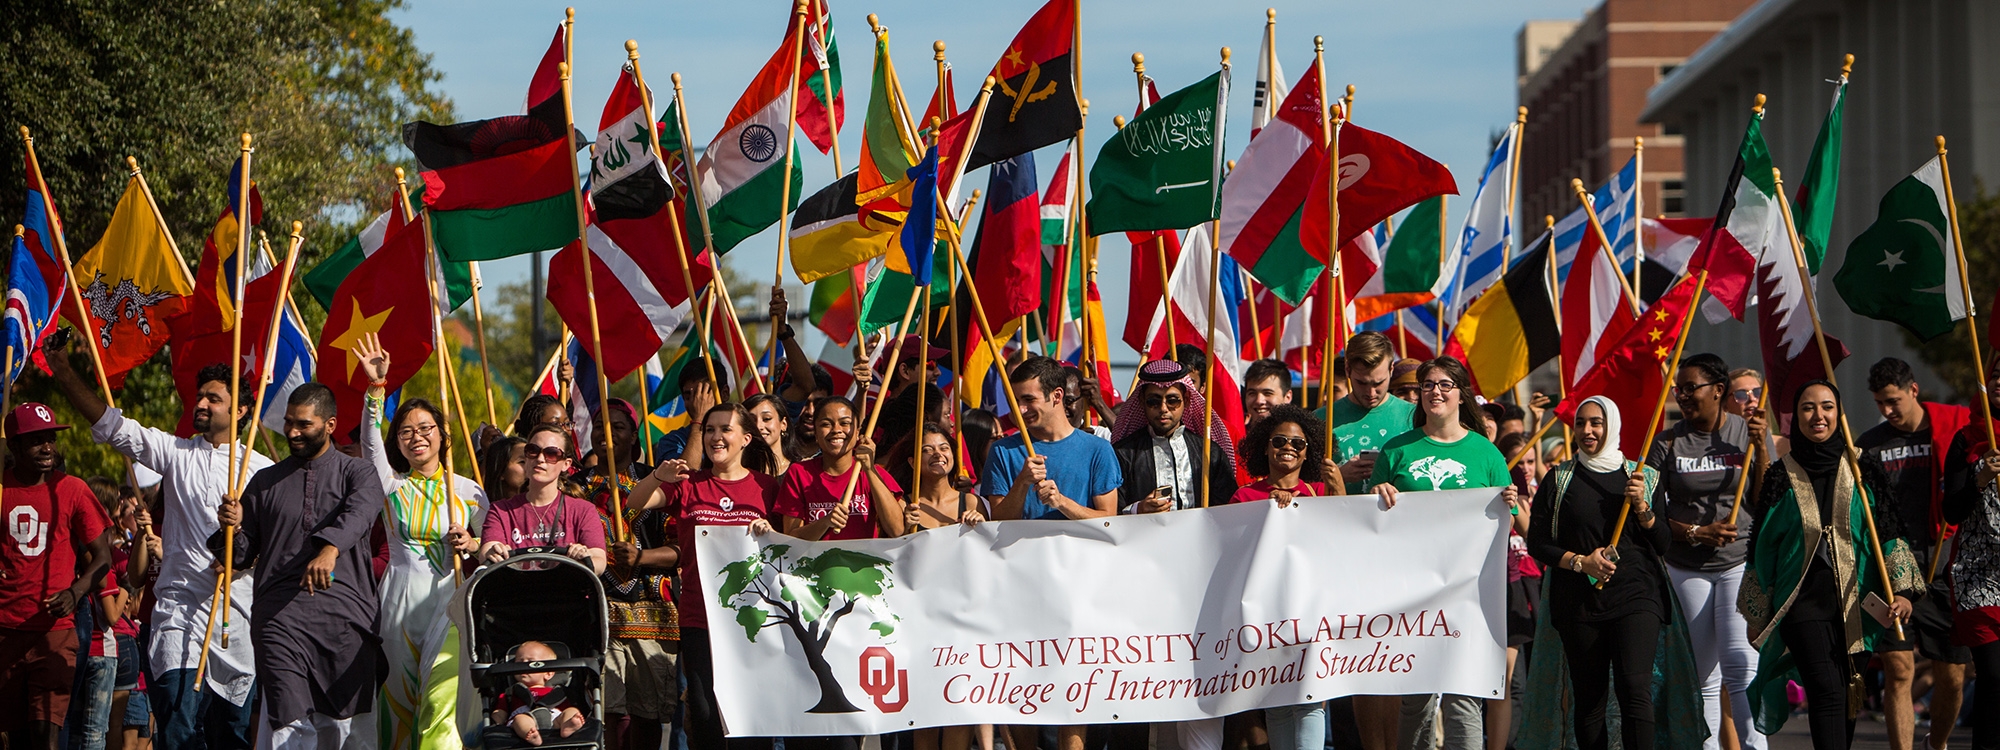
point(775, 431)
point(809, 501)
point(1814, 594)
point(505, 465)
point(425, 515)
point(942, 500)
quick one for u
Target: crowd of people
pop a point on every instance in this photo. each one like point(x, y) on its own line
point(1696, 591)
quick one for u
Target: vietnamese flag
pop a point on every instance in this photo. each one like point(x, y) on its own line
point(387, 296)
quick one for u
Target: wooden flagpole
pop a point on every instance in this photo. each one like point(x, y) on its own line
point(706, 332)
point(1330, 136)
point(479, 333)
point(1971, 322)
point(833, 118)
point(1214, 288)
point(785, 194)
point(1660, 408)
point(590, 293)
point(1749, 456)
point(235, 397)
point(448, 391)
point(1513, 183)
point(1853, 455)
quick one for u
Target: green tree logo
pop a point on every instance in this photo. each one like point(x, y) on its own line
point(809, 596)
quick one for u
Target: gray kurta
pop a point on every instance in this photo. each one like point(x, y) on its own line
point(316, 653)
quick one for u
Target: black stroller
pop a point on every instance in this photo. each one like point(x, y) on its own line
point(542, 596)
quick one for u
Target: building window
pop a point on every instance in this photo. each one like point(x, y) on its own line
point(1672, 196)
point(1670, 127)
point(1666, 70)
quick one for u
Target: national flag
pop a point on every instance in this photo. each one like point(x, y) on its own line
point(42, 228)
point(943, 104)
point(1633, 373)
point(828, 236)
point(1511, 329)
point(325, 277)
point(1409, 265)
point(1155, 255)
point(820, 113)
point(1746, 227)
point(1478, 258)
point(134, 284)
point(1062, 284)
point(1412, 330)
point(838, 359)
point(920, 235)
point(742, 170)
point(1163, 170)
point(291, 365)
point(262, 293)
point(1670, 244)
point(1099, 353)
point(835, 308)
point(669, 411)
point(1034, 101)
point(641, 296)
point(1595, 311)
point(1262, 200)
point(214, 307)
point(500, 187)
point(584, 394)
point(546, 84)
point(1813, 203)
point(888, 148)
point(1006, 257)
point(1186, 309)
point(386, 296)
point(30, 309)
point(1379, 176)
point(627, 180)
point(1616, 203)
point(1904, 267)
point(1270, 87)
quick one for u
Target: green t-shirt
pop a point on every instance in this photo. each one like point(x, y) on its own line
point(1413, 462)
point(1360, 431)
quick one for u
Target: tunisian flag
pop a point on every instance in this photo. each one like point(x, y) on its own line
point(1378, 177)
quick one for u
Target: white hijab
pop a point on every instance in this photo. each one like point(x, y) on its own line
point(1608, 458)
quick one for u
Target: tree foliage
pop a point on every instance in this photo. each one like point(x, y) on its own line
point(1950, 355)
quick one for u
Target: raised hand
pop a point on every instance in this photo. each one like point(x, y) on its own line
point(374, 359)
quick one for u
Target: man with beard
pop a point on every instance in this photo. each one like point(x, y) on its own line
point(1157, 438)
point(304, 523)
point(195, 474)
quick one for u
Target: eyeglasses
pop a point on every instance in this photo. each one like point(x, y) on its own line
point(408, 433)
point(1689, 391)
point(549, 454)
point(1441, 386)
point(1154, 402)
point(1281, 442)
point(1747, 395)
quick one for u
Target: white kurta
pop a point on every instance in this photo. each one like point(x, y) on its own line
point(194, 475)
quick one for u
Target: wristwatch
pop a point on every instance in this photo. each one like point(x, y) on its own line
point(1576, 563)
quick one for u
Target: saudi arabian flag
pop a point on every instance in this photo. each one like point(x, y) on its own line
point(1904, 267)
point(1163, 170)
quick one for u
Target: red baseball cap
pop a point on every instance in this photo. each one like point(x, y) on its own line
point(32, 417)
point(912, 347)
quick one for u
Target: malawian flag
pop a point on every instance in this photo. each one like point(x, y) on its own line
point(742, 171)
point(888, 148)
point(1409, 265)
point(215, 276)
point(828, 236)
point(1163, 170)
point(29, 315)
point(500, 187)
point(325, 277)
point(134, 283)
point(820, 114)
point(386, 296)
point(1186, 309)
point(1378, 177)
point(1412, 330)
point(1006, 261)
point(1747, 230)
point(1904, 267)
point(1034, 100)
point(1595, 311)
point(835, 308)
point(1511, 329)
point(1262, 199)
point(641, 295)
point(1633, 373)
point(546, 84)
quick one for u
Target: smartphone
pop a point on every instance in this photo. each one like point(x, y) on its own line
point(1165, 491)
point(1878, 609)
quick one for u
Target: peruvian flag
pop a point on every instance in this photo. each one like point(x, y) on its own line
point(1595, 310)
point(1187, 309)
point(1633, 373)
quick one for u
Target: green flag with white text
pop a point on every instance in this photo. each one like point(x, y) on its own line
point(1904, 268)
point(1163, 170)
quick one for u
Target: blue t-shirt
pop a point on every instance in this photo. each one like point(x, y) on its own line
point(1082, 465)
point(672, 444)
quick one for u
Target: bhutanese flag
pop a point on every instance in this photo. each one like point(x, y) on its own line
point(742, 171)
point(215, 276)
point(1511, 329)
point(134, 283)
point(828, 236)
point(500, 187)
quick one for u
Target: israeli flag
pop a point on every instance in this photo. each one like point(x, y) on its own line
point(1477, 262)
point(1617, 204)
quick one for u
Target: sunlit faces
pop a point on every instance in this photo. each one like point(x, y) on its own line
point(1368, 389)
point(419, 437)
point(1899, 407)
point(770, 424)
point(305, 430)
point(1439, 396)
point(724, 436)
point(1745, 392)
point(1287, 449)
point(1697, 395)
point(1164, 405)
point(519, 465)
point(211, 401)
point(1259, 396)
point(1039, 408)
point(1590, 428)
point(936, 456)
point(1818, 413)
point(547, 457)
point(833, 429)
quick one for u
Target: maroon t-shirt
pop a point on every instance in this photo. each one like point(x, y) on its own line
point(48, 526)
point(1261, 490)
point(809, 493)
point(566, 521)
point(702, 500)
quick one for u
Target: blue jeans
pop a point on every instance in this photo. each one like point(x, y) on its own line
point(1300, 727)
point(197, 720)
point(92, 704)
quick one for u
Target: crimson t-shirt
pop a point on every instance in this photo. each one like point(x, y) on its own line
point(1261, 490)
point(809, 493)
point(47, 525)
point(700, 499)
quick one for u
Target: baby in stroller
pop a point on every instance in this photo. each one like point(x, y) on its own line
point(532, 703)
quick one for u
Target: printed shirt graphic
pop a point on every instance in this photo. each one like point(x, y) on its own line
point(1413, 462)
point(1698, 478)
point(703, 500)
point(1361, 431)
point(45, 522)
point(809, 492)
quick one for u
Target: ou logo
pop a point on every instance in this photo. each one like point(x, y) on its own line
point(42, 413)
point(29, 531)
point(880, 677)
point(1353, 167)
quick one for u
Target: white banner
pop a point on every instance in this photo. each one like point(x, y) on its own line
point(1184, 615)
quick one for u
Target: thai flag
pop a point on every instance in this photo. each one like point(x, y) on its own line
point(30, 308)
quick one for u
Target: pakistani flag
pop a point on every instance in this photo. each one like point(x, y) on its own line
point(1163, 170)
point(1904, 268)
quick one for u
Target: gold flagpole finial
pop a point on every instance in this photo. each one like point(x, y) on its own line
point(676, 78)
point(1085, 103)
point(1270, 15)
point(24, 134)
point(298, 228)
point(1940, 145)
point(1138, 62)
point(874, 23)
point(1520, 115)
point(399, 175)
point(1758, 108)
point(1549, 221)
point(20, 231)
point(937, 50)
point(631, 49)
point(1229, 165)
point(246, 140)
point(1846, 65)
point(569, 15)
point(1319, 44)
point(562, 68)
point(132, 163)
point(1118, 121)
point(1638, 143)
point(1225, 57)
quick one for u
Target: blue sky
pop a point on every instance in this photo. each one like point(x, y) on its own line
point(1436, 74)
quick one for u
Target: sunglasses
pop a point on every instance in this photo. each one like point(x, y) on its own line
point(548, 455)
point(1281, 442)
point(1154, 402)
point(1747, 395)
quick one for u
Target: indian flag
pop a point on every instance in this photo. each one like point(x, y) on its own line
point(742, 172)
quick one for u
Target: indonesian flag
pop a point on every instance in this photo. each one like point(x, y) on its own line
point(1187, 306)
point(1595, 312)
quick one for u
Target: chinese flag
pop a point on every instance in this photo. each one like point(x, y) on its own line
point(1633, 375)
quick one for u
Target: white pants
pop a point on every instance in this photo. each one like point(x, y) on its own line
point(319, 732)
point(1723, 655)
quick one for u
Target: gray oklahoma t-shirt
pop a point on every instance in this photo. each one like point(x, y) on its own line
point(1698, 476)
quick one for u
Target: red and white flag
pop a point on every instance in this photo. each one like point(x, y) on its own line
point(1187, 311)
point(1595, 312)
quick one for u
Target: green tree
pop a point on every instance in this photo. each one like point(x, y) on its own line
point(808, 597)
point(323, 85)
point(1950, 355)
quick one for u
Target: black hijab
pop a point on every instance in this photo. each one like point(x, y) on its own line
point(1818, 458)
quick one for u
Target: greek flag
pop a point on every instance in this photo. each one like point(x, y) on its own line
point(1617, 204)
point(1477, 261)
